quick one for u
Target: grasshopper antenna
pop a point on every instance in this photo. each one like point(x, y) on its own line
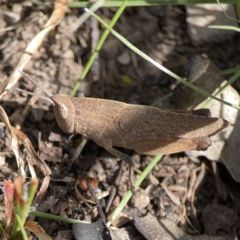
point(49, 96)
point(36, 84)
point(37, 95)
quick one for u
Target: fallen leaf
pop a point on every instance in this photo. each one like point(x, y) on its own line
point(205, 75)
point(37, 230)
point(17, 137)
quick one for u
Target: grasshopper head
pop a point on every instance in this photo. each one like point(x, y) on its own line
point(64, 112)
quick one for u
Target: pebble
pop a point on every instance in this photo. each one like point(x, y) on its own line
point(124, 58)
point(140, 199)
point(111, 48)
point(37, 114)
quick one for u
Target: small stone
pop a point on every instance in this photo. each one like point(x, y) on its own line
point(124, 58)
point(3, 24)
point(55, 137)
point(37, 114)
point(111, 48)
point(140, 199)
point(69, 54)
point(2, 160)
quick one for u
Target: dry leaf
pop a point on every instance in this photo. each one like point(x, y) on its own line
point(225, 145)
point(37, 230)
point(18, 136)
point(206, 76)
point(14, 143)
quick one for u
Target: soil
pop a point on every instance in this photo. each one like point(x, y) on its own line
point(118, 74)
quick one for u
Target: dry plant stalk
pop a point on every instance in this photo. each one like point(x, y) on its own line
point(33, 159)
point(60, 8)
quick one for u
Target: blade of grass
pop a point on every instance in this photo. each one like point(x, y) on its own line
point(157, 102)
point(31, 192)
point(2, 231)
point(219, 3)
point(20, 224)
point(54, 217)
point(237, 6)
point(129, 194)
point(225, 27)
point(22, 204)
point(230, 70)
point(84, 17)
point(159, 66)
point(229, 82)
point(22, 211)
point(98, 47)
point(138, 3)
point(223, 72)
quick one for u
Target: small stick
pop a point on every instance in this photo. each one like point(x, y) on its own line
point(76, 152)
point(114, 187)
point(99, 207)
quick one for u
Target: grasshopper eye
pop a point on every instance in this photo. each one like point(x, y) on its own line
point(63, 111)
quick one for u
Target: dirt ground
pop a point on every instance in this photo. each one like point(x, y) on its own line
point(195, 203)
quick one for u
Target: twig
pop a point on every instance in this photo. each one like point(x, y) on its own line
point(114, 187)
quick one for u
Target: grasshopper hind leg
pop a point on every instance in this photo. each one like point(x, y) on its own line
point(126, 159)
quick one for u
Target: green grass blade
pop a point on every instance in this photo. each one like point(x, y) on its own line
point(54, 217)
point(230, 70)
point(98, 47)
point(225, 27)
point(229, 82)
point(157, 102)
point(22, 206)
point(94, 7)
point(2, 231)
point(129, 194)
point(219, 3)
point(237, 6)
point(138, 3)
point(20, 224)
point(223, 72)
point(159, 66)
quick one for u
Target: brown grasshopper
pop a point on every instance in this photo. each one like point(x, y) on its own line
point(147, 130)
